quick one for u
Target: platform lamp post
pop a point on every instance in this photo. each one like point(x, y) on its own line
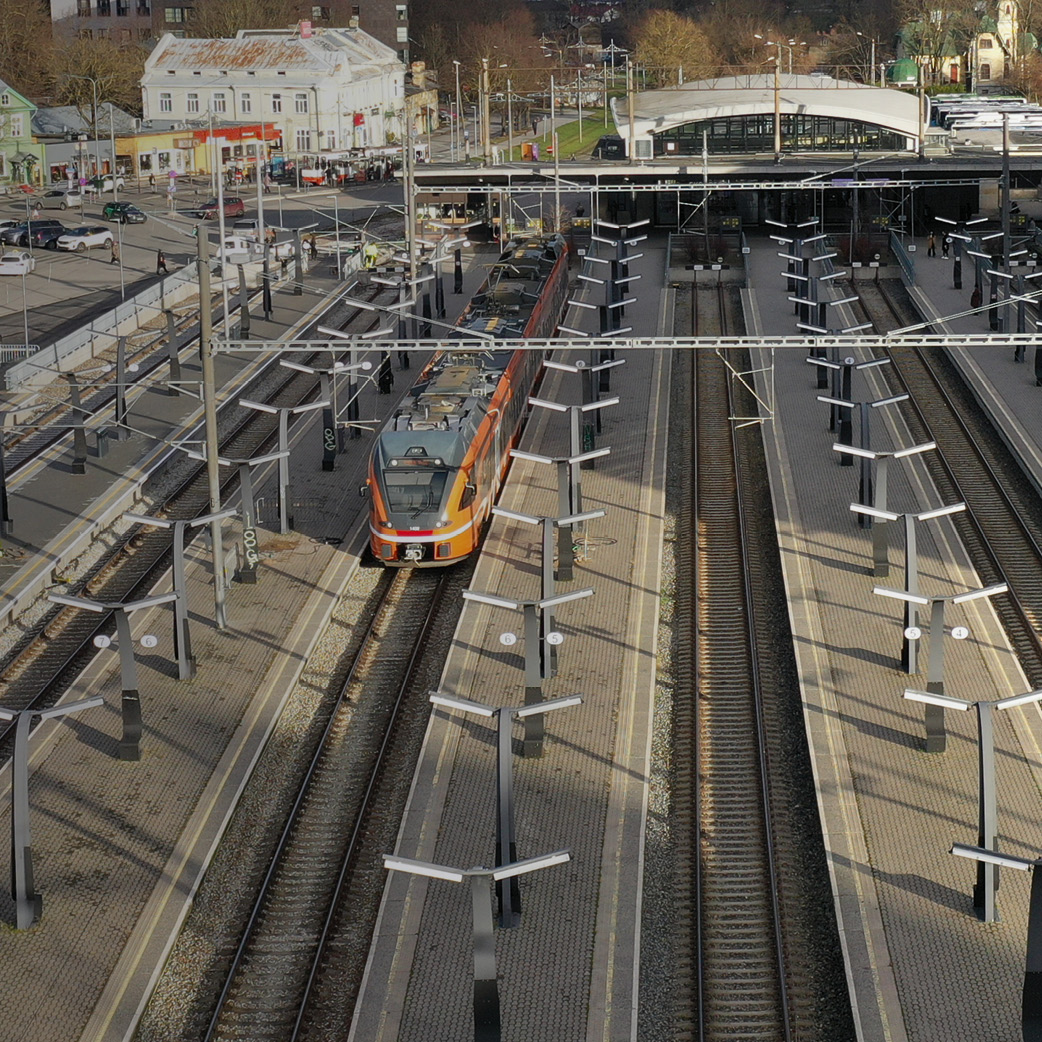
point(28, 903)
point(182, 636)
point(352, 420)
point(841, 382)
point(487, 1022)
point(248, 571)
point(935, 736)
point(576, 448)
point(548, 590)
point(909, 655)
point(130, 743)
point(589, 392)
point(958, 238)
point(564, 465)
point(880, 560)
point(508, 896)
point(327, 392)
point(536, 660)
point(1031, 998)
point(284, 413)
point(987, 884)
point(863, 408)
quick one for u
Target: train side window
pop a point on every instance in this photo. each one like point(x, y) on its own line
point(469, 492)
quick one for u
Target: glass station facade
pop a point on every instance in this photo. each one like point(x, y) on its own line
point(799, 133)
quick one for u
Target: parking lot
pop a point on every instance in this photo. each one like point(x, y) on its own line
point(66, 288)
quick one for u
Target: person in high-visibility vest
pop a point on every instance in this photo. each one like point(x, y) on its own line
point(370, 255)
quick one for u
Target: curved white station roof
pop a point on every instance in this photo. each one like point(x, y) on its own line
point(659, 110)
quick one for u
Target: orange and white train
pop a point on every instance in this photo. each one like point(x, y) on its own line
point(438, 463)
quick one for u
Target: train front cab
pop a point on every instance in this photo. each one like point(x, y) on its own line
point(425, 511)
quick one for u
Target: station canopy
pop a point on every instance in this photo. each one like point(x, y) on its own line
point(735, 115)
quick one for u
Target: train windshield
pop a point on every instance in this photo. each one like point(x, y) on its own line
point(414, 492)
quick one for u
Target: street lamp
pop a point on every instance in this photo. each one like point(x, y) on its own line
point(987, 813)
point(935, 735)
point(94, 117)
point(182, 637)
point(487, 1024)
point(28, 903)
point(130, 743)
point(908, 651)
point(506, 837)
point(880, 562)
point(536, 661)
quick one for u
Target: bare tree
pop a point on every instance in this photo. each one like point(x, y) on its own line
point(114, 71)
point(222, 19)
point(26, 51)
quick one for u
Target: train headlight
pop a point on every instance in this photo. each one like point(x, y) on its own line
point(440, 524)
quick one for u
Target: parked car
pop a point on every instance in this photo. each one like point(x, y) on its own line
point(85, 238)
point(233, 207)
point(247, 227)
point(103, 182)
point(123, 213)
point(59, 199)
point(17, 263)
point(42, 232)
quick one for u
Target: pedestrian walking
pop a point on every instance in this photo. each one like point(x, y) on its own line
point(36, 212)
point(284, 265)
point(946, 245)
point(975, 298)
point(403, 359)
point(161, 263)
point(114, 252)
point(312, 247)
point(385, 375)
point(151, 182)
point(931, 245)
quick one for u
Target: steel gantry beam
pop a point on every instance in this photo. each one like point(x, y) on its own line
point(619, 343)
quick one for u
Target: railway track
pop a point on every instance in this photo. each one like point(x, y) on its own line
point(294, 971)
point(1002, 526)
point(47, 658)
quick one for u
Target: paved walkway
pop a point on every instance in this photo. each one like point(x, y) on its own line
point(920, 965)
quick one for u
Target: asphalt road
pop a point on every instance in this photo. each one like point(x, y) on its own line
point(67, 289)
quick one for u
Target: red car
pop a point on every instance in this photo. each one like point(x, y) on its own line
point(233, 207)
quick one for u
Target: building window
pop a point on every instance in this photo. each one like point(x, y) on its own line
point(303, 140)
point(17, 126)
point(276, 103)
point(356, 11)
point(166, 102)
point(192, 104)
point(175, 14)
point(402, 13)
point(5, 100)
point(403, 34)
point(245, 103)
point(104, 7)
point(330, 139)
point(985, 72)
point(300, 102)
point(985, 43)
point(219, 103)
point(320, 14)
point(122, 9)
point(83, 8)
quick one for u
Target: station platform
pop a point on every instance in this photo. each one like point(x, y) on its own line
point(920, 965)
point(121, 847)
point(570, 970)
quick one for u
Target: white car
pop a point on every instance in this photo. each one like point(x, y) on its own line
point(238, 249)
point(17, 262)
point(85, 238)
point(103, 182)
